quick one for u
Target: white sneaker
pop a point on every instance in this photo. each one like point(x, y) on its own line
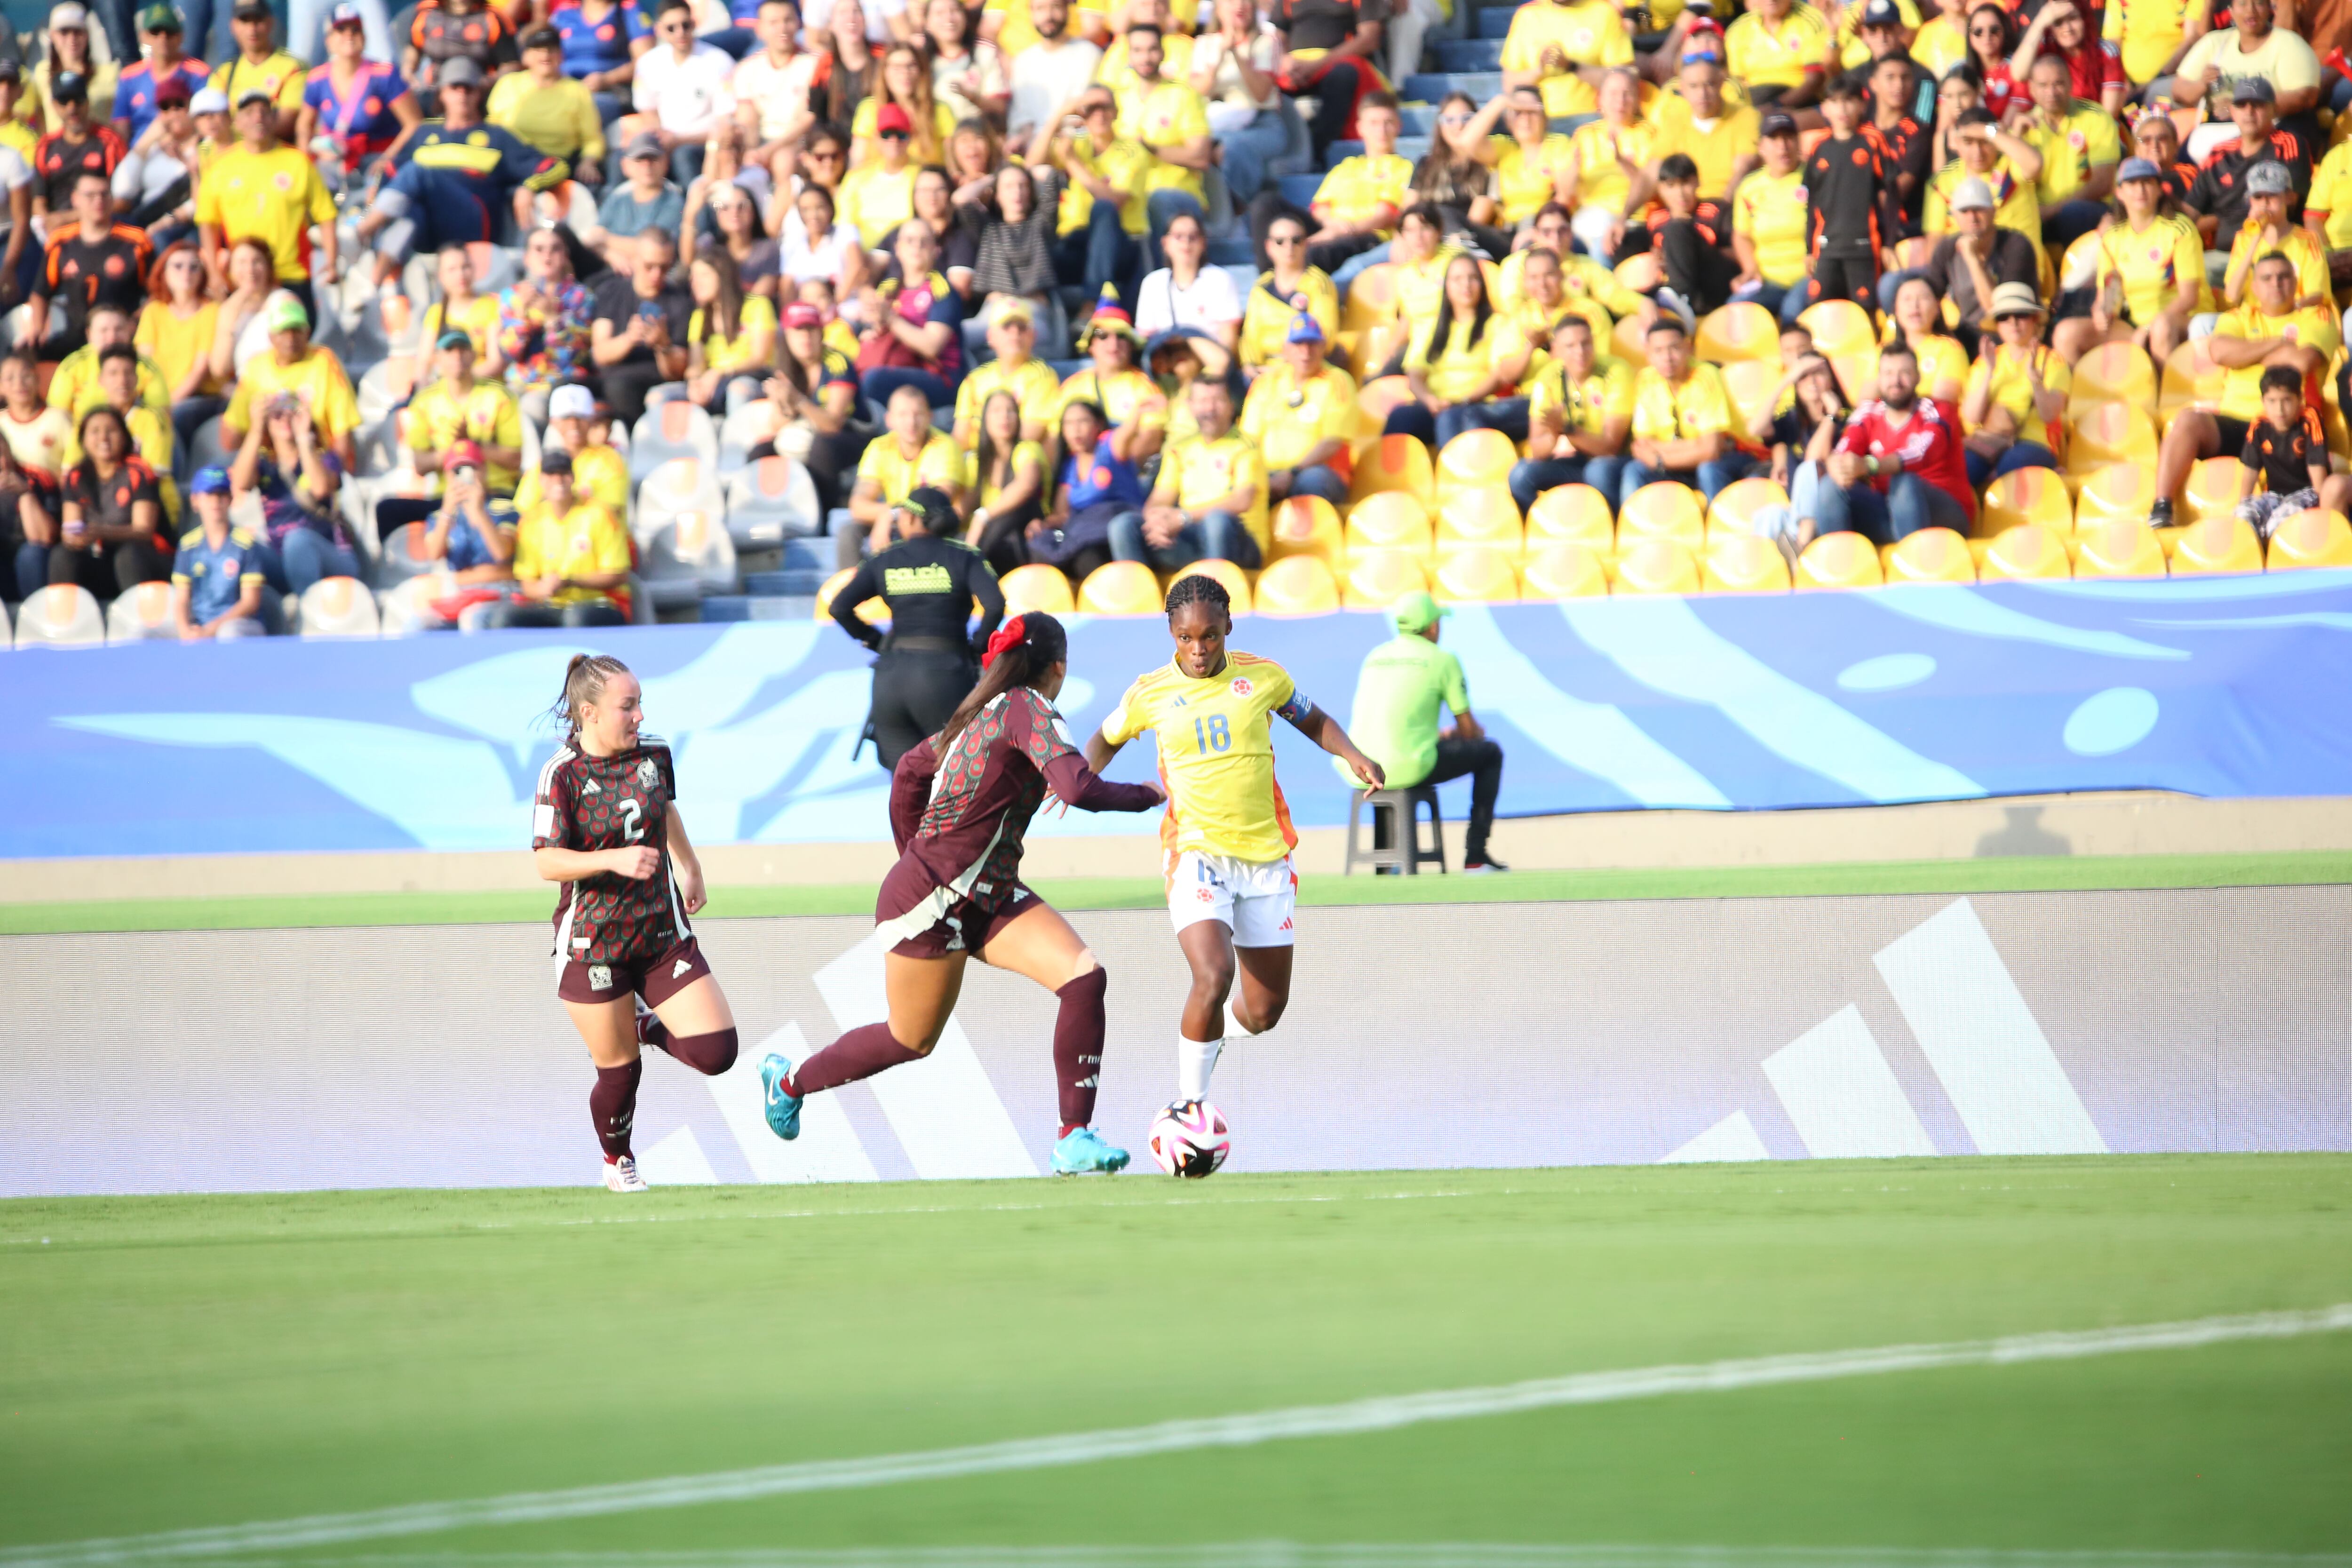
point(621, 1176)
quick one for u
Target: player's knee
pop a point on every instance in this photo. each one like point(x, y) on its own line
point(1087, 984)
point(710, 1053)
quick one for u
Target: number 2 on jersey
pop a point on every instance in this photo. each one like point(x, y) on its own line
point(632, 827)
point(1212, 734)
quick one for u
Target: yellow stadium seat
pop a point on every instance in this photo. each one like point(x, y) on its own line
point(2315, 538)
point(1376, 344)
point(1476, 575)
point(1665, 509)
point(1371, 298)
point(1840, 560)
point(1306, 525)
point(1735, 506)
point(2191, 380)
point(1121, 588)
point(1481, 520)
point(1393, 463)
point(1640, 273)
point(1563, 569)
point(1390, 521)
point(1742, 330)
point(2079, 268)
point(1571, 513)
point(1656, 565)
point(2119, 490)
point(2118, 548)
point(1475, 461)
point(1045, 588)
point(1375, 397)
point(2222, 543)
point(1856, 373)
point(1751, 384)
point(872, 612)
point(2027, 549)
point(2212, 487)
point(2109, 432)
point(1930, 555)
point(1235, 581)
point(1625, 341)
point(1298, 586)
point(1743, 563)
point(1838, 327)
point(1378, 578)
point(2029, 495)
point(2114, 373)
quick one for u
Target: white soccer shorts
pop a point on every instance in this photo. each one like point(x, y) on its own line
point(1257, 899)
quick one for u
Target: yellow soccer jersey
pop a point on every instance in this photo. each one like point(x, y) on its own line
point(1525, 180)
point(1266, 315)
point(1168, 114)
point(1581, 278)
point(1033, 387)
point(1852, 51)
point(2152, 262)
point(1762, 56)
point(1715, 152)
point(1586, 407)
point(1588, 34)
point(1699, 406)
point(878, 200)
point(1601, 179)
point(1361, 187)
point(1771, 211)
point(2081, 143)
point(2331, 195)
point(1940, 45)
point(1128, 165)
point(941, 463)
point(1216, 754)
point(2313, 327)
point(1130, 397)
point(2301, 246)
point(1205, 472)
point(2012, 389)
point(1288, 420)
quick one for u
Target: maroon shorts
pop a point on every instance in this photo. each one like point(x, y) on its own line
point(927, 920)
point(655, 979)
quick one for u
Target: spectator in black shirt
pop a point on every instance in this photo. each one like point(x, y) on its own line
point(1850, 201)
point(1352, 31)
point(2218, 197)
point(74, 146)
point(1977, 257)
point(2158, 140)
point(92, 260)
point(1905, 142)
point(2285, 456)
point(638, 336)
point(112, 535)
point(1688, 235)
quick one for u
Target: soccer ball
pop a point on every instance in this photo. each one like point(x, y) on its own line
point(1189, 1138)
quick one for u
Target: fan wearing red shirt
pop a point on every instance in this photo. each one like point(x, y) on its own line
point(1899, 466)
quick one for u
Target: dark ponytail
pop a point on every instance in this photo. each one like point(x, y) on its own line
point(1020, 653)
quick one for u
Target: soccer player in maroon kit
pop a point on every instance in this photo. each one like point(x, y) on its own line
point(960, 807)
point(606, 827)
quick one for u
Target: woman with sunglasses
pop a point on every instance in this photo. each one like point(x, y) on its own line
point(1453, 175)
point(823, 160)
point(879, 197)
point(1286, 287)
point(1992, 39)
point(176, 330)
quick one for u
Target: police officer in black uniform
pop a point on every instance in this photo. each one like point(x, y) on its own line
point(929, 661)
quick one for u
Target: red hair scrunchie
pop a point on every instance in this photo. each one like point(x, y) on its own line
point(1011, 634)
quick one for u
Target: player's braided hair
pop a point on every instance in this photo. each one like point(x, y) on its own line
point(583, 682)
point(1199, 588)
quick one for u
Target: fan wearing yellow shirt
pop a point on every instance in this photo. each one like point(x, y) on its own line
point(1919, 319)
point(1532, 163)
point(476, 315)
point(1611, 166)
point(1209, 503)
point(2148, 34)
point(2008, 165)
point(1592, 290)
point(1102, 213)
point(261, 66)
point(599, 472)
point(2269, 189)
point(1767, 224)
point(1853, 47)
point(1682, 421)
point(1780, 49)
point(1459, 367)
point(1356, 205)
point(1286, 288)
point(1719, 137)
point(2151, 278)
point(572, 558)
point(294, 364)
point(1943, 41)
point(1035, 389)
point(1560, 47)
point(2265, 330)
point(1301, 413)
point(880, 195)
point(2018, 387)
point(1417, 260)
point(1117, 73)
point(261, 189)
point(457, 406)
point(1171, 120)
point(2327, 209)
point(1578, 416)
point(908, 454)
point(2079, 148)
point(1228, 836)
point(1112, 382)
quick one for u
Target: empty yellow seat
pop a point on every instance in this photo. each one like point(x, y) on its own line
point(1475, 461)
point(2027, 549)
point(1734, 506)
point(2029, 495)
point(1378, 578)
point(1577, 513)
point(872, 612)
point(1657, 565)
point(1476, 574)
point(2109, 432)
point(2317, 538)
point(1625, 341)
point(2191, 380)
point(1640, 271)
point(2114, 373)
point(1840, 560)
point(1298, 586)
point(1045, 588)
point(1375, 398)
point(2118, 490)
point(2118, 548)
point(1389, 520)
point(1235, 581)
point(1371, 298)
point(1742, 330)
point(1393, 463)
point(1838, 327)
point(1481, 520)
point(2222, 543)
point(1930, 555)
point(2212, 487)
point(1856, 373)
point(1121, 588)
point(1306, 525)
point(1752, 383)
point(1743, 563)
point(1563, 569)
point(1666, 509)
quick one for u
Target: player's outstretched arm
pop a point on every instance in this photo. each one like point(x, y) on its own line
point(1324, 731)
point(1077, 784)
point(685, 864)
point(635, 861)
point(1101, 749)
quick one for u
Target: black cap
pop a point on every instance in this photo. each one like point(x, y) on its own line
point(1882, 14)
point(2253, 89)
point(11, 71)
point(1776, 123)
point(253, 11)
point(543, 39)
point(71, 86)
point(555, 460)
point(931, 504)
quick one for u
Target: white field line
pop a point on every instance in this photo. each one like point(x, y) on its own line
point(1299, 1554)
point(1352, 1418)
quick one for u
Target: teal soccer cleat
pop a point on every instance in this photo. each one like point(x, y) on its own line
point(1081, 1154)
point(784, 1110)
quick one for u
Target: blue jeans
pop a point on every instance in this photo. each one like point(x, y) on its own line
point(302, 558)
point(2070, 223)
point(1708, 479)
point(1247, 151)
point(1213, 536)
point(1509, 416)
point(2021, 455)
point(1318, 480)
point(1101, 253)
point(1910, 504)
point(1529, 480)
point(878, 384)
point(32, 569)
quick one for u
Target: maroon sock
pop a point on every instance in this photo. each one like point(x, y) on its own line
point(614, 1105)
point(861, 1053)
point(1077, 1046)
point(710, 1054)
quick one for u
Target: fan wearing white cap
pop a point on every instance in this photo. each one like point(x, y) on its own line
point(71, 50)
point(2270, 193)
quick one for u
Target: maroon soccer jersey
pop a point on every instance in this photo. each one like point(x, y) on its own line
point(610, 802)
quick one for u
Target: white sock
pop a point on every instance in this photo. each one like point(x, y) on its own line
point(1195, 1060)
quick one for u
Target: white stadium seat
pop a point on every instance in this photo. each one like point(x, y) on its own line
point(771, 500)
point(338, 607)
point(744, 429)
point(686, 556)
point(407, 608)
point(676, 428)
point(63, 614)
point(6, 640)
point(682, 484)
point(143, 615)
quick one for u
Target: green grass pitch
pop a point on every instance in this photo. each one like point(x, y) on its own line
point(173, 1363)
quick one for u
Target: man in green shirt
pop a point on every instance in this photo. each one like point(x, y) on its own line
point(1398, 693)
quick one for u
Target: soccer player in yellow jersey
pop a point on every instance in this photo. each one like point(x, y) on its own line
point(1226, 837)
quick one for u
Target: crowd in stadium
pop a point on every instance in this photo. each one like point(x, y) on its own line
point(1900, 271)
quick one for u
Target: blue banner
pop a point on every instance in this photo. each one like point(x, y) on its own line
point(2207, 686)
